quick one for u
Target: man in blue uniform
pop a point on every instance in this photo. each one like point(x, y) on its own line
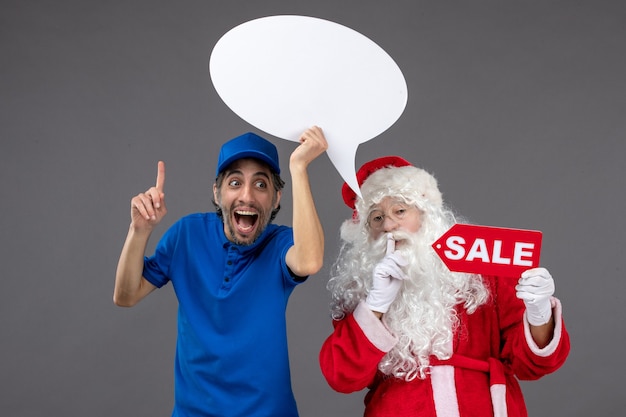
point(232, 272)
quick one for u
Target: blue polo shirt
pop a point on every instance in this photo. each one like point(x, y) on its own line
point(231, 352)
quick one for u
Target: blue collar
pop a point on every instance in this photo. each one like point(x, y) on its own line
point(245, 249)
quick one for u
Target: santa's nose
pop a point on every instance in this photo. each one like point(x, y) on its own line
point(389, 224)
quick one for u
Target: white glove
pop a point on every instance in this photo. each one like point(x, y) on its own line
point(536, 287)
point(387, 279)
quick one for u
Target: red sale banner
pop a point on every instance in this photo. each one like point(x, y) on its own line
point(489, 250)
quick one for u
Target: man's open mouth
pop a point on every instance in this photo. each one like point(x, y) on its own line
point(245, 220)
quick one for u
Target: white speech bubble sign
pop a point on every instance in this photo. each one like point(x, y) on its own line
point(283, 74)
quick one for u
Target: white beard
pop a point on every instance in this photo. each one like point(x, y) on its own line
point(423, 316)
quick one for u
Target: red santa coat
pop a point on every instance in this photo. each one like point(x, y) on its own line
point(492, 349)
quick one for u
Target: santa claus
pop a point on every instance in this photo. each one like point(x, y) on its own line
point(424, 340)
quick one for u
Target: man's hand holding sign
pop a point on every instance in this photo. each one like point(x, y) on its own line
point(504, 252)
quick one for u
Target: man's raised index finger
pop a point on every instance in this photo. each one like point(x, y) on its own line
point(160, 181)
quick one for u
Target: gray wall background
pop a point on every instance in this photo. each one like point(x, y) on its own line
point(517, 107)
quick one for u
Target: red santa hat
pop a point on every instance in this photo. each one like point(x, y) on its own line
point(391, 176)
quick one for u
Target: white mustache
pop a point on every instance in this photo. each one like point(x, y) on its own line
point(408, 240)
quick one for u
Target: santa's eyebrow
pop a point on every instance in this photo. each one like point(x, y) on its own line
point(393, 203)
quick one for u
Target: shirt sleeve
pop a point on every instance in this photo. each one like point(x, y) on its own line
point(156, 267)
point(350, 355)
point(285, 242)
point(528, 361)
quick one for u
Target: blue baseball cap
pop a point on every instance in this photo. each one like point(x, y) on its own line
point(248, 145)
